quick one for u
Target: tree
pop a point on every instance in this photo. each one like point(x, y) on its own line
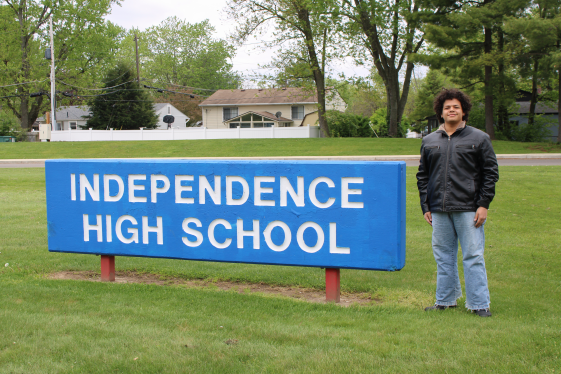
point(363, 96)
point(177, 52)
point(540, 30)
point(390, 31)
point(472, 45)
point(122, 105)
point(432, 84)
point(305, 29)
point(83, 42)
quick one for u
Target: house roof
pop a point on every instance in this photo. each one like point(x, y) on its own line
point(290, 95)
point(159, 106)
point(541, 108)
point(70, 113)
point(76, 113)
point(268, 115)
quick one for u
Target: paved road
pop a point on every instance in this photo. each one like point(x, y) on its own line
point(514, 162)
point(537, 160)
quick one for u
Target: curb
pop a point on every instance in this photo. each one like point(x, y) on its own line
point(303, 158)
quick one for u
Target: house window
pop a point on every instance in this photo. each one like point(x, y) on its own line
point(72, 125)
point(229, 113)
point(298, 112)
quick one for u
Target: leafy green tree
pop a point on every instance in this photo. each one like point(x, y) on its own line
point(363, 96)
point(122, 105)
point(177, 52)
point(9, 126)
point(84, 41)
point(303, 28)
point(390, 32)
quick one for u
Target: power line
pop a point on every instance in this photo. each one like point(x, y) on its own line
point(94, 89)
point(19, 84)
point(178, 85)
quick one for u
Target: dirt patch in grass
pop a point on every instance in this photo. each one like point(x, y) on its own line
point(306, 294)
point(546, 147)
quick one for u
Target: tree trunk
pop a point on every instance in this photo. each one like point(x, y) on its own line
point(393, 106)
point(559, 105)
point(534, 98)
point(503, 122)
point(24, 100)
point(319, 73)
point(489, 86)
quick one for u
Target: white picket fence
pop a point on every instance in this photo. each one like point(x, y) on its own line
point(185, 134)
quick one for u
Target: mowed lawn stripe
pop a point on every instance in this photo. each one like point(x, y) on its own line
point(242, 148)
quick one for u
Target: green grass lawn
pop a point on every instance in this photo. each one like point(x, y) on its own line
point(60, 326)
point(241, 148)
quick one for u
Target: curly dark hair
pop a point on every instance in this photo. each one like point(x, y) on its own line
point(449, 94)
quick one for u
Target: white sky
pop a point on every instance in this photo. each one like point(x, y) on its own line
point(146, 13)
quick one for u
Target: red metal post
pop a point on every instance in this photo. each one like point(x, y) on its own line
point(332, 284)
point(107, 268)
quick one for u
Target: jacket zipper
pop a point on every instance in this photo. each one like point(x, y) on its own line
point(446, 174)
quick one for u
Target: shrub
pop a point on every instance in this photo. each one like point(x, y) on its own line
point(380, 124)
point(536, 133)
point(345, 125)
point(10, 126)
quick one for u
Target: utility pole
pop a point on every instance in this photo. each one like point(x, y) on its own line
point(53, 89)
point(137, 60)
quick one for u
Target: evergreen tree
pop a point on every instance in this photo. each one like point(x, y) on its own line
point(540, 31)
point(472, 42)
point(122, 105)
point(431, 86)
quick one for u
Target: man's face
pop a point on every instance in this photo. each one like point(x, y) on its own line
point(452, 111)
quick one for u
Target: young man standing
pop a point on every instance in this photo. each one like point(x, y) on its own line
point(456, 181)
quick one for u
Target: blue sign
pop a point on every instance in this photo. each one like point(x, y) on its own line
point(302, 213)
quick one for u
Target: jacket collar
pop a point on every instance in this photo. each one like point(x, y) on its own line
point(460, 127)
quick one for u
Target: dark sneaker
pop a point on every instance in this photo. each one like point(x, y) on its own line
point(482, 312)
point(438, 307)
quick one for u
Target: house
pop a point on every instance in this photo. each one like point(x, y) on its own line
point(72, 117)
point(253, 108)
point(548, 111)
point(68, 118)
point(164, 109)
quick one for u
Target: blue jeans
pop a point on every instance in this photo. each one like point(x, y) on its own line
point(448, 228)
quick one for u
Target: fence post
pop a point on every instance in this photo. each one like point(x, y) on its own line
point(204, 132)
point(172, 133)
point(239, 131)
point(111, 133)
point(142, 133)
point(91, 134)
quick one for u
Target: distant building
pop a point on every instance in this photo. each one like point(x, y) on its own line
point(278, 107)
point(548, 111)
point(72, 117)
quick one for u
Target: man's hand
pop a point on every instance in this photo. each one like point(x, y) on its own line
point(428, 218)
point(480, 216)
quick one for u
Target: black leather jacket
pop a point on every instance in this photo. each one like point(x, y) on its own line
point(457, 172)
